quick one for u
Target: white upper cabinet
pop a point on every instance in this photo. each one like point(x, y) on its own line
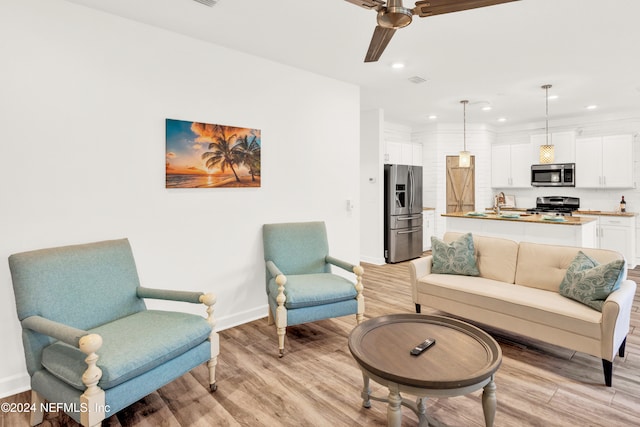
point(403, 153)
point(511, 165)
point(604, 162)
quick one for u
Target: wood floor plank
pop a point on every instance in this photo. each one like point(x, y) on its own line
point(317, 382)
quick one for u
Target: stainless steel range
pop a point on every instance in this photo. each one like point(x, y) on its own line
point(556, 205)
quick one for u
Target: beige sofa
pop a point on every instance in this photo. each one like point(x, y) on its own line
point(518, 291)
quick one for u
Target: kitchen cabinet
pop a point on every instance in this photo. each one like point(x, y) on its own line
point(428, 228)
point(564, 146)
point(403, 153)
point(511, 165)
point(617, 233)
point(604, 162)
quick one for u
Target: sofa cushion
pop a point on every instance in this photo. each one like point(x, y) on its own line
point(544, 266)
point(590, 282)
point(131, 346)
point(531, 304)
point(457, 257)
point(307, 290)
point(496, 258)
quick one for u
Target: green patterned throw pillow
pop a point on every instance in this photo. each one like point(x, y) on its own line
point(589, 282)
point(457, 257)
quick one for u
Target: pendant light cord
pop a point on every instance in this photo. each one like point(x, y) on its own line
point(546, 92)
point(464, 123)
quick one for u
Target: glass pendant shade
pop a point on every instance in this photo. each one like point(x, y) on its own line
point(546, 154)
point(546, 150)
point(464, 159)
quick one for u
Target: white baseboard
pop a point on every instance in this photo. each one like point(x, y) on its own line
point(372, 260)
point(236, 319)
point(14, 384)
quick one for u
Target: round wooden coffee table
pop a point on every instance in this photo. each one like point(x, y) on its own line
point(463, 360)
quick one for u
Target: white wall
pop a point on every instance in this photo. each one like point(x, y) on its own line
point(372, 186)
point(83, 100)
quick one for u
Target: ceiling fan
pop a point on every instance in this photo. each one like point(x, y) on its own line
point(394, 16)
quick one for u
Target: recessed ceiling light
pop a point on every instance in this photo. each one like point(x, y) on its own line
point(502, 119)
point(591, 107)
point(486, 108)
point(433, 117)
point(397, 65)
point(552, 97)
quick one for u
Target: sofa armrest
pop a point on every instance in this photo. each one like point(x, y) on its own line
point(168, 294)
point(418, 268)
point(57, 330)
point(616, 315)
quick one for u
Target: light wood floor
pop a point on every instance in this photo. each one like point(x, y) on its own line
point(317, 383)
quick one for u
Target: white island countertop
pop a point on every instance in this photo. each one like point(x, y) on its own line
point(523, 217)
point(521, 227)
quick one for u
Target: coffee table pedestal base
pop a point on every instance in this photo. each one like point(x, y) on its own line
point(395, 401)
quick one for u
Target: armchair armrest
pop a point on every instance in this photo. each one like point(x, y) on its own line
point(171, 295)
point(358, 271)
point(57, 330)
point(273, 269)
point(93, 397)
point(339, 263)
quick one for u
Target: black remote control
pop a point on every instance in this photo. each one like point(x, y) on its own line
point(420, 348)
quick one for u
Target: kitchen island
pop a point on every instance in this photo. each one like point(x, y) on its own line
point(523, 227)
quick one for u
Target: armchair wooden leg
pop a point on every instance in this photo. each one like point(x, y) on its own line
point(37, 416)
point(209, 300)
point(281, 313)
point(93, 399)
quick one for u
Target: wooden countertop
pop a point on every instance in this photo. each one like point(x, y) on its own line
point(605, 213)
point(535, 218)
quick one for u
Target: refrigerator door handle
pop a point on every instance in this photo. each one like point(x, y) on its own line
point(415, 230)
point(411, 183)
point(408, 218)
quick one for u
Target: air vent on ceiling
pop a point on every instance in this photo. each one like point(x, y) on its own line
point(417, 79)
point(209, 3)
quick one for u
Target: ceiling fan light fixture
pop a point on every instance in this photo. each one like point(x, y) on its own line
point(395, 17)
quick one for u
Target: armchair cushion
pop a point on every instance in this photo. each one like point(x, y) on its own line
point(156, 336)
point(307, 290)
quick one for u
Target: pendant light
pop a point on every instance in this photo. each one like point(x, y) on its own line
point(464, 160)
point(546, 150)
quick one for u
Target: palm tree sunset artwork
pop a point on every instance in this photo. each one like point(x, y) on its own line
point(202, 155)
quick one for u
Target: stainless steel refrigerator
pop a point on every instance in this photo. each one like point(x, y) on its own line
point(402, 212)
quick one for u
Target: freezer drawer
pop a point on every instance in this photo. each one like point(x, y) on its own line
point(404, 244)
point(405, 221)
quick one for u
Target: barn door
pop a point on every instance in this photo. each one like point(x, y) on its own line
point(461, 188)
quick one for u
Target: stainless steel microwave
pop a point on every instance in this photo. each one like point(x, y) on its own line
point(553, 175)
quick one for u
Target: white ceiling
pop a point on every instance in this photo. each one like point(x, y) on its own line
point(586, 49)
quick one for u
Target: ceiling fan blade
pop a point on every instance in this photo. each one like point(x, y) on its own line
point(438, 7)
point(368, 4)
point(379, 41)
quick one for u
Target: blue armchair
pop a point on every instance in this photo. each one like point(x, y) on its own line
point(91, 346)
point(299, 283)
